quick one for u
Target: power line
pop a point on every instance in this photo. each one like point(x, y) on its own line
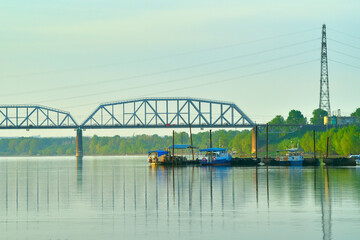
point(236, 78)
point(161, 57)
point(349, 35)
point(345, 54)
point(346, 64)
point(161, 72)
point(345, 44)
point(177, 80)
point(213, 82)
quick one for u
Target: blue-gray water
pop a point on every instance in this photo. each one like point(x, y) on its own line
point(125, 198)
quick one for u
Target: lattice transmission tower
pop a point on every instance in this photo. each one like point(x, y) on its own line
point(324, 77)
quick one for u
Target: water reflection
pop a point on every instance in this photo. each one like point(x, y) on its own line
point(157, 201)
point(325, 203)
point(79, 166)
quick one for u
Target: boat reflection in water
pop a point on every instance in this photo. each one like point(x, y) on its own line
point(107, 198)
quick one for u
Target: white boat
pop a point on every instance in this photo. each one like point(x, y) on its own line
point(293, 156)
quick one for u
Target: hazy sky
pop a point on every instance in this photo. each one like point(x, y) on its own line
point(262, 55)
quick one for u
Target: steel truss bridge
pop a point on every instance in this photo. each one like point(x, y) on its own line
point(167, 112)
point(34, 117)
point(137, 113)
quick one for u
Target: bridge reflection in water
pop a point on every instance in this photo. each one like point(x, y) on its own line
point(126, 196)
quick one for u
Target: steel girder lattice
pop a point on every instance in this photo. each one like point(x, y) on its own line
point(34, 116)
point(166, 112)
point(324, 102)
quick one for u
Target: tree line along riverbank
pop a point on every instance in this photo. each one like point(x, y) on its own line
point(342, 141)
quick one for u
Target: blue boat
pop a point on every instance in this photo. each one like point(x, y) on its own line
point(214, 156)
point(293, 156)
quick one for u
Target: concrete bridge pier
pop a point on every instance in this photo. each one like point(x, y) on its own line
point(79, 143)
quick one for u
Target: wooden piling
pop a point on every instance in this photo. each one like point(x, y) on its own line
point(182, 142)
point(256, 142)
point(327, 147)
point(267, 140)
point(314, 145)
point(173, 147)
point(210, 140)
point(191, 143)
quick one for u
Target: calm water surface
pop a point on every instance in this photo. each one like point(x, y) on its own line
point(125, 198)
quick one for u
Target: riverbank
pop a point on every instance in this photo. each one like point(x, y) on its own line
point(342, 142)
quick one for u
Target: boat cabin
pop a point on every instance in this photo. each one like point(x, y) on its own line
point(158, 156)
point(290, 155)
point(214, 156)
point(183, 151)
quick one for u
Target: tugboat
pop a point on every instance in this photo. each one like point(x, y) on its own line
point(293, 156)
point(214, 156)
point(183, 154)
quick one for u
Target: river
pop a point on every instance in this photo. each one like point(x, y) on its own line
point(125, 198)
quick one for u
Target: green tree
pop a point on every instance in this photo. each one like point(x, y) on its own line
point(356, 113)
point(318, 116)
point(35, 146)
point(242, 142)
point(224, 139)
point(93, 143)
point(296, 117)
point(307, 142)
point(278, 119)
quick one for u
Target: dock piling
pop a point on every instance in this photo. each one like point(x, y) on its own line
point(327, 147)
point(267, 140)
point(191, 142)
point(255, 141)
point(314, 145)
point(173, 147)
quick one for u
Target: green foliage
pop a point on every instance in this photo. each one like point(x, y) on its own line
point(356, 113)
point(296, 117)
point(342, 141)
point(318, 116)
point(307, 142)
point(37, 146)
point(278, 119)
point(242, 142)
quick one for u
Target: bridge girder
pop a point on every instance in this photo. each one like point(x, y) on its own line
point(167, 112)
point(34, 116)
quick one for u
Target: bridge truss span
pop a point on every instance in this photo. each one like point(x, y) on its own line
point(34, 116)
point(167, 112)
